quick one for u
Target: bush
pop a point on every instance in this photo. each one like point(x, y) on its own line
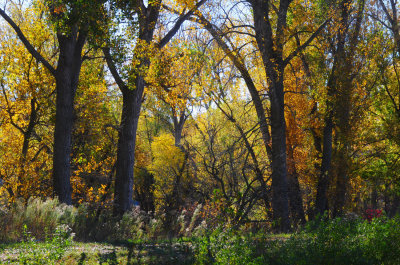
point(88, 222)
point(41, 218)
point(338, 241)
point(49, 252)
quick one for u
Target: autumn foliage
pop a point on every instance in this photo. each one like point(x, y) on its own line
point(247, 113)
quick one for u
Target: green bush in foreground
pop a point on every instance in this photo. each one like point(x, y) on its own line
point(31, 251)
point(337, 241)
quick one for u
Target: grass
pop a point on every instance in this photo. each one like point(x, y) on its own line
point(166, 251)
point(42, 232)
point(337, 241)
point(105, 253)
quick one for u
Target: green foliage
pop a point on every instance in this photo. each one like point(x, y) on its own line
point(338, 241)
point(225, 247)
point(348, 240)
point(66, 15)
point(49, 252)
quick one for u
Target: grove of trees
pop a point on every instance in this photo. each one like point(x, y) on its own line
point(263, 111)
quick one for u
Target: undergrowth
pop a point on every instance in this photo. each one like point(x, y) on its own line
point(42, 231)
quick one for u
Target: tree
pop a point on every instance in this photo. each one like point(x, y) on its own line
point(270, 32)
point(343, 44)
point(72, 28)
point(132, 89)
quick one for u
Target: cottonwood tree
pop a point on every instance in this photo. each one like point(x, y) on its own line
point(72, 28)
point(344, 38)
point(25, 107)
point(270, 32)
point(144, 18)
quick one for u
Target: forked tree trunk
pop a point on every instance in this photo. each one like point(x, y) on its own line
point(132, 92)
point(271, 48)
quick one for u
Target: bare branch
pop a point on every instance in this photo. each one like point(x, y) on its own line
point(305, 44)
point(182, 18)
point(113, 69)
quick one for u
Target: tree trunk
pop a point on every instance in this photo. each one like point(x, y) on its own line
point(132, 102)
point(25, 144)
point(333, 87)
point(280, 200)
point(345, 137)
point(67, 77)
point(178, 126)
point(29, 130)
point(341, 184)
point(321, 203)
point(295, 198)
point(271, 48)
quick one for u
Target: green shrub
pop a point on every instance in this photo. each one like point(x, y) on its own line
point(49, 252)
point(338, 241)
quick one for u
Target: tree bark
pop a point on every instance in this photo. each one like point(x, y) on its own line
point(178, 125)
point(340, 85)
point(295, 198)
point(132, 101)
point(321, 202)
point(67, 77)
point(280, 190)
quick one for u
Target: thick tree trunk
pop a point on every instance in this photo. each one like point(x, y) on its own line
point(62, 142)
point(341, 184)
point(132, 102)
point(280, 200)
point(345, 139)
point(339, 85)
point(321, 203)
point(295, 198)
point(271, 48)
point(67, 77)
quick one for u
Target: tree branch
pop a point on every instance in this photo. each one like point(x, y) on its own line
point(305, 44)
point(113, 69)
point(182, 18)
point(27, 44)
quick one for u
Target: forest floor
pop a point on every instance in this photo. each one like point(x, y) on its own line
point(126, 252)
point(100, 253)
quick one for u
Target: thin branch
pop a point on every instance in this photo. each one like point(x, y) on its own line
point(305, 44)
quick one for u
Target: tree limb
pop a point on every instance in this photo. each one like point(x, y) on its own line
point(27, 44)
point(305, 44)
point(113, 69)
point(182, 18)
